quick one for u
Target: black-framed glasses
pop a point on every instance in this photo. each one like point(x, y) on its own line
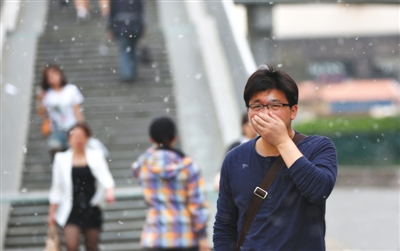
point(271, 107)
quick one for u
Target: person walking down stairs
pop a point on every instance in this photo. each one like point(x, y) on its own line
point(60, 102)
point(126, 26)
point(75, 199)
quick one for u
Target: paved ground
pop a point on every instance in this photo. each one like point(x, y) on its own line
point(362, 218)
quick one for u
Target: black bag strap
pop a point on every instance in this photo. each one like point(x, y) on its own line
point(261, 192)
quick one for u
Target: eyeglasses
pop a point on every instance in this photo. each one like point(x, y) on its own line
point(271, 107)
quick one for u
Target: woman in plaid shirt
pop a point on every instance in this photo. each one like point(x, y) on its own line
point(174, 191)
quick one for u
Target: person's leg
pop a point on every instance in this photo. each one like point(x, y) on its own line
point(125, 59)
point(71, 235)
point(104, 7)
point(133, 42)
point(91, 239)
point(55, 144)
point(63, 137)
point(87, 4)
point(81, 4)
point(82, 9)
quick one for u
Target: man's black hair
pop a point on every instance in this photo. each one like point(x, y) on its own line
point(162, 130)
point(267, 77)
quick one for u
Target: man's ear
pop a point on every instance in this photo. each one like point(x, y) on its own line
point(293, 110)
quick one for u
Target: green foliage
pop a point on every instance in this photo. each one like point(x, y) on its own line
point(359, 141)
point(348, 124)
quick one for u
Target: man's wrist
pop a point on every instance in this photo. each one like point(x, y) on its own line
point(285, 144)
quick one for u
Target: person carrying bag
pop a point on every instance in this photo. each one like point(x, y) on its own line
point(286, 210)
point(261, 192)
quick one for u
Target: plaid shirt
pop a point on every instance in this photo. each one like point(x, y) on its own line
point(174, 191)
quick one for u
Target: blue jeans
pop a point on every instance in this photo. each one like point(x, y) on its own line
point(58, 140)
point(127, 57)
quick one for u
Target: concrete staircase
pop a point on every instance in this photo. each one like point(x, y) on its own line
point(117, 113)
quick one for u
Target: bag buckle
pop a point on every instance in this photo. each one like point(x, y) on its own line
point(260, 192)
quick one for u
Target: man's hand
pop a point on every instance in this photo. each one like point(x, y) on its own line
point(203, 245)
point(271, 128)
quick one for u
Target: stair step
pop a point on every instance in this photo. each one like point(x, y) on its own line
point(135, 225)
point(129, 246)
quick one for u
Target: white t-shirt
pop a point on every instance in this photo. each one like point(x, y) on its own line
point(60, 107)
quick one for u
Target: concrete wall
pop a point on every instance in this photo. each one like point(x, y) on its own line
point(209, 76)
point(199, 131)
point(17, 81)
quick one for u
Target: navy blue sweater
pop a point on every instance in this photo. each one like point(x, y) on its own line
point(292, 217)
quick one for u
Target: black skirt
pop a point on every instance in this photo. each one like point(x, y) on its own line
point(90, 217)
